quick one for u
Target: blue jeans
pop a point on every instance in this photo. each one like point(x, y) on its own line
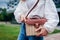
point(22, 35)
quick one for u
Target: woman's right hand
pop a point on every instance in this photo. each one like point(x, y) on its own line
point(22, 18)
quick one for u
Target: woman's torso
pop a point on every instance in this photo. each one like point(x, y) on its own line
point(38, 10)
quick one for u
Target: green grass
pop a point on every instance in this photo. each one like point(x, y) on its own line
point(55, 31)
point(10, 32)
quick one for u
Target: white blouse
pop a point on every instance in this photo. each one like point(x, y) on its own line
point(45, 8)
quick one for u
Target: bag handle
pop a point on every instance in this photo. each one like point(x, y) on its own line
point(32, 8)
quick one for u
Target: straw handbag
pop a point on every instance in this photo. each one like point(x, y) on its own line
point(34, 22)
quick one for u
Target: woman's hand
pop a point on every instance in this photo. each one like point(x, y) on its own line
point(42, 32)
point(22, 18)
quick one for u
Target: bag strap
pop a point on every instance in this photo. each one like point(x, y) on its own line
point(32, 8)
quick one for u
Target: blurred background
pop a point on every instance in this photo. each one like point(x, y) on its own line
point(9, 28)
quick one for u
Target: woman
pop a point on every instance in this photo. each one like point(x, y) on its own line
point(45, 8)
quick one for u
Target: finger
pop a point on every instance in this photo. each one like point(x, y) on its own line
point(38, 29)
point(37, 25)
point(43, 32)
point(22, 18)
point(25, 19)
point(40, 33)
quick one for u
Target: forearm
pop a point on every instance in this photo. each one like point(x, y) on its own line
point(51, 15)
point(50, 25)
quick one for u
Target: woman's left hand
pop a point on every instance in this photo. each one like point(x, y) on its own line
point(42, 32)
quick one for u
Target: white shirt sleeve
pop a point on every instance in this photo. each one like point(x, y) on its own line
point(51, 16)
point(19, 11)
